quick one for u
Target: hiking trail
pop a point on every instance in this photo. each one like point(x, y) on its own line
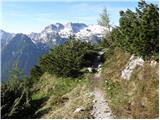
point(101, 109)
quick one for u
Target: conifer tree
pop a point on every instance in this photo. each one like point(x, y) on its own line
point(138, 32)
point(104, 19)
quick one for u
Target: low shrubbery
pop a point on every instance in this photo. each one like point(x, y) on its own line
point(66, 60)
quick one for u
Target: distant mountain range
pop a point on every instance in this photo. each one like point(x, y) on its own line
point(25, 50)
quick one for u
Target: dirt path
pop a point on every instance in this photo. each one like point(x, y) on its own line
point(101, 110)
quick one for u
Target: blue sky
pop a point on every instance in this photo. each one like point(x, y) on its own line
point(26, 16)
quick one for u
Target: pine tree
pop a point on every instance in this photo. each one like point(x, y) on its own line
point(138, 32)
point(104, 19)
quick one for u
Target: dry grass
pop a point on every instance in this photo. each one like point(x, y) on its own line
point(146, 92)
point(136, 98)
point(78, 98)
point(65, 95)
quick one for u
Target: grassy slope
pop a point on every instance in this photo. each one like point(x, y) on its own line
point(59, 97)
point(136, 98)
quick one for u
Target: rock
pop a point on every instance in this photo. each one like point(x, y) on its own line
point(153, 63)
point(99, 66)
point(131, 57)
point(99, 69)
point(94, 101)
point(79, 109)
point(133, 62)
point(144, 101)
point(89, 69)
point(101, 52)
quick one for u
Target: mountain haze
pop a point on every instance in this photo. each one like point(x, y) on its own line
point(22, 51)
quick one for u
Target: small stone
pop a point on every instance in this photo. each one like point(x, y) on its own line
point(79, 109)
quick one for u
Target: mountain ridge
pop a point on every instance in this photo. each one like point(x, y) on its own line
point(21, 51)
point(26, 49)
point(58, 33)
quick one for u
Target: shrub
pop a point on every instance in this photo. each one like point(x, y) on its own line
point(67, 60)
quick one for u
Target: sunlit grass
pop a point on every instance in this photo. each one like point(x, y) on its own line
point(136, 98)
point(64, 96)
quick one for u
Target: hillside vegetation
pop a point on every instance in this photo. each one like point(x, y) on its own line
point(63, 97)
point(56, 88)
point(134, 98)
point(137, 34)
point(60, 86)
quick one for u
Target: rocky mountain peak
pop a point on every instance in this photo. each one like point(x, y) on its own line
point(50, 28)
point(53, 28)
point(75, 27)
point(5, 38)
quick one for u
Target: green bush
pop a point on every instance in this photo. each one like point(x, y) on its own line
point(67, 60)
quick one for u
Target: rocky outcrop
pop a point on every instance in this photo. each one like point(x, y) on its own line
point(133, 62)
